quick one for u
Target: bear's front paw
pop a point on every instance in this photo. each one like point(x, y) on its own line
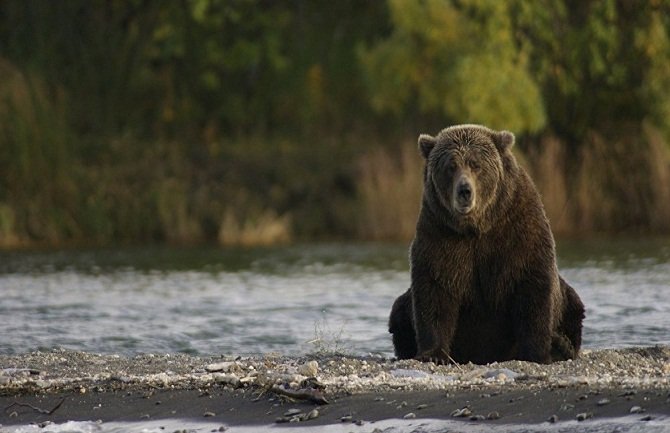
point(438, 356)
point(534, 355)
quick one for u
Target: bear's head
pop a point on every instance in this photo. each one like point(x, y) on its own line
point(469, 169)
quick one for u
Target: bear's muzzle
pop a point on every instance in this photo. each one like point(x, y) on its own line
point(463, 197)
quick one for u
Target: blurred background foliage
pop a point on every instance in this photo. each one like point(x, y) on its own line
point(258, 122)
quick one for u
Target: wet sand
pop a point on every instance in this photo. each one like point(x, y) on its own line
point(62, 386)
point(232, 408)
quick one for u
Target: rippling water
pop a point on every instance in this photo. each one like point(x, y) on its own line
point(290, 300)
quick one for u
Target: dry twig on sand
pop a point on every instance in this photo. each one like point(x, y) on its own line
point(35, 408)
point(313, 395)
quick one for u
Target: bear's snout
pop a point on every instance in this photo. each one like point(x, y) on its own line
point(463, 195)
point(464, 192)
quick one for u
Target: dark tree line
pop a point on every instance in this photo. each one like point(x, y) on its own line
point(246, 121)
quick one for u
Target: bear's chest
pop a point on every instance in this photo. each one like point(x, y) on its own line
point(477, 271)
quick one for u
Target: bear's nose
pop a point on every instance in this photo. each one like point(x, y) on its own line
point(464, 191)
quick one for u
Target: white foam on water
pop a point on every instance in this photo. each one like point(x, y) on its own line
point(629, 424)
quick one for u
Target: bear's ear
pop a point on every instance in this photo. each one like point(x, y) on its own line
point(504, 140)
point(426, 144)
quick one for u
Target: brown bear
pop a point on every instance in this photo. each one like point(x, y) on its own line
point(484, 281)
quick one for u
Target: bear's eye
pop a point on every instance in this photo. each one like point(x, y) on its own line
point(474, 165)
point(451, 165)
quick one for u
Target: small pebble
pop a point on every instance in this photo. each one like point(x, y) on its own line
point(379, 398)
point(145, 416)
point(603, 402)
point(222, 366)
point(636, 409)
point(292, 412)
point(477, 418)
point(410, 415)
point(647, 418)
point(421, 406)
point(553, 419)
point(584, 416)
point(208, 414)
point(493, 415)
point(461, 413)
point(359, 422)
point(227, 379)
point(346, 418)
point(314, 413)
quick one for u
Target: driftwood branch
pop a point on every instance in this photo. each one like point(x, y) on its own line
point(35, 408)
point(313, 395)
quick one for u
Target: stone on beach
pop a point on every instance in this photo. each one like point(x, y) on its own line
point(461, 413)
point(501, 374)
point(227, 379)
point(584, 416)
point(225, 367)
point(309, 369)
point(297, 415)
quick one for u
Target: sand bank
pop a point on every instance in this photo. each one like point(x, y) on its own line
point(59, 386)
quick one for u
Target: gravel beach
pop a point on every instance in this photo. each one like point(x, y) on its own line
point(61, 385)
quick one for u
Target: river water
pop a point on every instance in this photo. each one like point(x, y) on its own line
point(291, 300)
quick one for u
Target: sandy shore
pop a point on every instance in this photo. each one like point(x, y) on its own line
point(60, 386)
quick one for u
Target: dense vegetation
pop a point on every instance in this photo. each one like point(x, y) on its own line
point(255, 121)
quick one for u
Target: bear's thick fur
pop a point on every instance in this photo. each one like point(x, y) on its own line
point(484, 281)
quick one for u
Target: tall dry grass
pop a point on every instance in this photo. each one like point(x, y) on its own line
point(614, 185)
point(546, 165)
point(38, 190)
point(389, 189)
point(658, 161)
point(262, 228)
point(179, 223)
